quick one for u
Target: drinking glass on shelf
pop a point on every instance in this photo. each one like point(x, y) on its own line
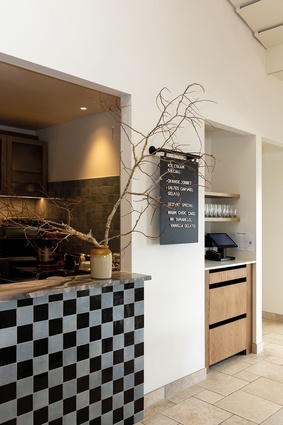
point(207, 210)
point(224, 210)
point(214, 210)
point(219, 210)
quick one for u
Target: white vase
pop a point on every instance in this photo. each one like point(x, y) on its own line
point(101, 262)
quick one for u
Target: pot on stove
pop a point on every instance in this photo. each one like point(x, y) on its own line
point(48, 246)
point(46, 254)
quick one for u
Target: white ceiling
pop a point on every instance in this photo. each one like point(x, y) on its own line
point(33, 101)
point(265, 19)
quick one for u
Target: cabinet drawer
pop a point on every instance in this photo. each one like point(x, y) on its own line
point(227, 302)
point(227, 340)
point(226, 275)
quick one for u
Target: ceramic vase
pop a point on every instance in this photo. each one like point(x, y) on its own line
point(101, 262)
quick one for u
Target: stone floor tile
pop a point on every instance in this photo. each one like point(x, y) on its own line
point(248, 406)
point(159, 419)
point(254, 358)
point(236, 420)
point(272, 349)
point(157, 408)
point(267, 389)
point(276, 338)
point(209, 396)
point(196, 412)
point(221, 383)
point(183, 395)
point(272, 326)
point(267, 370)
point(276, 419)
point(231, 366)
point(274, 359)
point(246, 376)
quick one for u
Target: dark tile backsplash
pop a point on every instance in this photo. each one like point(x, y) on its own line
point(90, 202)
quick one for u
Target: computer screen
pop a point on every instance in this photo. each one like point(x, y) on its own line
point(222, 240)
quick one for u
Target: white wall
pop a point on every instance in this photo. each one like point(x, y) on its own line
point(137, 47)
point(83, 149)
point(272, 193)
point(235, 172)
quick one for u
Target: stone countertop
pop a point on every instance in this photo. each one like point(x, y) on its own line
point(59, 284)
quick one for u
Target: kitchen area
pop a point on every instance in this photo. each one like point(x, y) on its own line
point(46, 126)
point(71, 347)
point(31, 243)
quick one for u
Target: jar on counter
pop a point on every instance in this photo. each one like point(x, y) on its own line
point(101, 262)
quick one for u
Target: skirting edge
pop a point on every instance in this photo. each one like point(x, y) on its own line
point(272, 316)
point(257, 348)
point(174, 387)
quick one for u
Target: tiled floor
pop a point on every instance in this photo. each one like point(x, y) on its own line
point(243, 390)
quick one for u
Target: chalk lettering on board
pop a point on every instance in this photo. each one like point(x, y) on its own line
point(186, 189)
point(171, 193)
point(173, 187)
point(179, 201)
point(173, 204)
point(172, 181)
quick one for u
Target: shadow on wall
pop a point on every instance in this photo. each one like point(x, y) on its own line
point(94, 199)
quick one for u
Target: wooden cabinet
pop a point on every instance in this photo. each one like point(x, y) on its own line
point(221, 196)
point(25, 170)
point(3, 164)
point(228, 312)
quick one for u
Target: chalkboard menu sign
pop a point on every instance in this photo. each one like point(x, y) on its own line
point(179, 199)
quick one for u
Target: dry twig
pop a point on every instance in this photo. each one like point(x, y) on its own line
point(175, 115)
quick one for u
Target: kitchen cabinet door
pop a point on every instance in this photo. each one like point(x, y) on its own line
point(3, 165)
point(26, 166)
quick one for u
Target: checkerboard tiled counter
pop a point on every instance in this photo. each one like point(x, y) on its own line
point(73, 353)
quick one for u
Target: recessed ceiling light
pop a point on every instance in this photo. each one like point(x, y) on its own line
point(83, 108)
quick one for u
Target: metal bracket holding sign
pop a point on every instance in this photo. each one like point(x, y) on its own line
point(178, 197)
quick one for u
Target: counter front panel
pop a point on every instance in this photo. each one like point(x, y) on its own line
point(73, 357)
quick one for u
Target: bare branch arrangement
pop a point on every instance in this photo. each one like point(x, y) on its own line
point(175, 115)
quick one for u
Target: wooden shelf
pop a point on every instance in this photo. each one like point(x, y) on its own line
point(222, 219)
point(221, 195)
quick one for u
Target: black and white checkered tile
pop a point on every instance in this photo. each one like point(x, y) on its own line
point(73, 358)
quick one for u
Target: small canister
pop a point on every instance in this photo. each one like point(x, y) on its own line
point(101, 262)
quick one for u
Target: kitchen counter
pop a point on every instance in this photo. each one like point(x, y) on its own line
point(72, 350)
point(58, 284)
point(241, 258)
